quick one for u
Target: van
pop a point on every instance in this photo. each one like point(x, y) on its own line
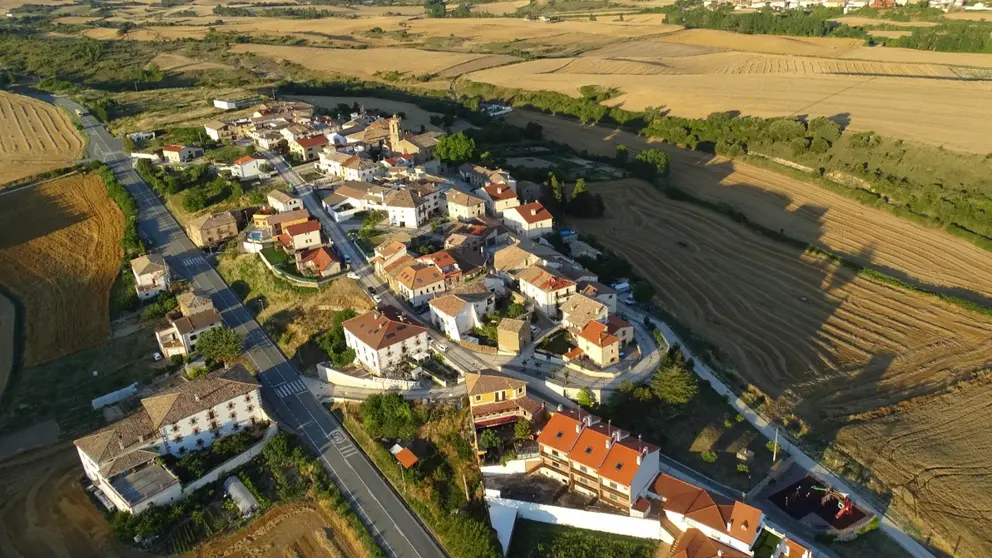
point(621, 287)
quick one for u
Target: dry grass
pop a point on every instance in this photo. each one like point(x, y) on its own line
point(878, 96)
point(34, 137)
point(804, 211)
point(770, 44)
point(178, 63)
point(300, 529)
point(414, 118)
point(500, 8)
point(477, 64)
point(970, 16)
point(60, 256)
point(820, 341)
point(869, 22)
point(157, 109)
point(906, 55)
point(7, 319)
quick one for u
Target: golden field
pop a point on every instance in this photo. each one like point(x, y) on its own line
point(60, 255)
point(34, 137)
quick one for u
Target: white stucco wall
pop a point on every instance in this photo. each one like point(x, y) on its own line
point(603, 522)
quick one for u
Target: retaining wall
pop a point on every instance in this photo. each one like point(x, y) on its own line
point(338, 378)
point(232, 463)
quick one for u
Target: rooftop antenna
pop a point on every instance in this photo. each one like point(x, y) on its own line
point(609, 427)
point(639, 448)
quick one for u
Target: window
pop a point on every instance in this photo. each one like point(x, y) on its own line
point(478, 398)
point(248, 397)
point(175, 428)
point(230, 405)
point(232, 416)
point(582, 468)
point(192, 421)
point(613, 496)
point(196, 431)
point(211, 415)
point(179, 438)
point(214, 426)
point(192, 337)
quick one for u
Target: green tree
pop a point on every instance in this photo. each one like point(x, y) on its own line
point(435, 8)
point(580, 188)
point(333, 342)
point(523, 429)
point(586, 398)
point(194, 200)
point(515, 310)
point(643, 291)
point(455, 149)
point(490, 440)
point(674, 385)
point(388, 415)
point(220, 344)
point(651, 164)
point(622, 155)
point(555, 188)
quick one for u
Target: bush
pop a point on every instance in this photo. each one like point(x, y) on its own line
point(651, 164)
point(388, 415)
point(220, 344)
point(675, 385)
point(708, 456)
point(333, 342)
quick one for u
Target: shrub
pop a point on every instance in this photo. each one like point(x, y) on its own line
point(708, 456)
point(675, 385)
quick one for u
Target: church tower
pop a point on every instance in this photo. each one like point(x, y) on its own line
point(395, 132)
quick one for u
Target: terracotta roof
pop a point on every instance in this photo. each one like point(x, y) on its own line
point(594, 288)
point(126, 462)
point(390, 248)
point(195, 322)
point(461, 198)
point(544, 279)
point(279, 218)
point(379, 331)
point(337, 156)
point(560, 432)
point(615, 323)
point(573, 353)
point(425, 140)
point(214, 125)
point(149, 263)
point(398, 266)
point(532, 212)
point(620, 464)
point(418, 276)
point(512, 325)
point(695, 503)
point(694, 544)
point(400, 198)
point(104, 445)
point(173, 148)
point(441, 259)
point(280, 196)
point(190, 398)
point(500, 192)
point(488, 381)
point(590, 448)
point(597, 334)
point(303, 228)
point(513, 257)
point(449, 305)
point(212, 220)
point(795, 550)
point(192, 302)
point(243, 160)
point(581, 309)
point(312, 142)
point(406, 457)
point(321, 258)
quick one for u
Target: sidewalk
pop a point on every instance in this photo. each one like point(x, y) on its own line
point(324, 391)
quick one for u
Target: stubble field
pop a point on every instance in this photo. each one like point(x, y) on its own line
point(35, 137)
point(801, 210)
point(60, 254)
point(820, 341)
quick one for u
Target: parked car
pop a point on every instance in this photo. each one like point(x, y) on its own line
point(533, 328)
point(157, 357)
point(352, 275)
point(439, 347)
point(629, 299)
point(347, 259)
point(377, 298)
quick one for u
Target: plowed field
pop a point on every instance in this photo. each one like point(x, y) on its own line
point(817, 339)
point(34, 137)
point(60, 253)
point(802, 210)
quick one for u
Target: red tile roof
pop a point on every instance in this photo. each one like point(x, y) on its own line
point(560, 432)
point(312, 142)
point(620, 465)
point(243, 160)
point(591, 447)
point(173, 148)
point(321, 258)
point(379, 331)
point(406, 458)
point(532, 212)
point(499, 192)
point(573, 353)
point(303, 228)
point(695, 503)
point(597, 334)
point(694, 544)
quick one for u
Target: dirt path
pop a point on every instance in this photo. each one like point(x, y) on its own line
point(802, 210)
point(45, 513)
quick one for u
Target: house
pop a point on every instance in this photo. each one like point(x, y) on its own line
point(282, 202)
point(121, 458)
point(598, 344)
point(498, 198)
point(228, 104)
point(151, 275)
point(515, 258)
point(381, 342)
point(421, 146)
point(496, 399)
point(480, 176)
point(247, 167)
point(417, 283)
point(479, 231)
point(578, 310)
point(273, 223)
point(196, 314)
point(531, 220)
point(212, 229)
point(513, 335)
point(789, 548)
point(600, 292)
point(386, 254)
point(457, 265)
point(726, 522)
point(220, 131)
point(347, 166)
point(694, 544)
point(597, 459)
point(462, 206)
point(413, 206)
point(544, 288)
point(301, 236)
point(307, 148)
point(181, 153)
point(320, 262)
point(462, 310)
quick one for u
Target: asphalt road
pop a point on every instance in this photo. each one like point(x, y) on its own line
point(391, 523)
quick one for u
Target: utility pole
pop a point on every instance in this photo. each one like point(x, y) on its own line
point(775, 448)
point(465, 486)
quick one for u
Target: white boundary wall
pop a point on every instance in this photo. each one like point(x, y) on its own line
point(115, 396)
point(332, 376)
point(232, 463)
point(594, 521)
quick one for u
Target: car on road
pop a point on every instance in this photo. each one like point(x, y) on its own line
point(629, 299)
point(377, 298)
point(352, 275)
point(533, 328)
point(439, 347)
point(156, 356)
point(347, 259)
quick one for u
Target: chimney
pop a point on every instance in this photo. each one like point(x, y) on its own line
point(533, 211)
point(719, 552)
point(730, 525)
point(141, 438)
point(609, 442)
point(559, 408)
point(196, 396)
point(639, 459)
point(120, 440)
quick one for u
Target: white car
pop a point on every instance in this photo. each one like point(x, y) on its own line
point(377, 298)
point(157, 357)
point(352, 275)
point(439, 347)
point(533, 328)
point(629, 299)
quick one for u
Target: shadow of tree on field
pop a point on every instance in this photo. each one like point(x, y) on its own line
point(48, 213)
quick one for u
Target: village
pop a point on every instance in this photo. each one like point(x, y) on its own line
point(476, 292)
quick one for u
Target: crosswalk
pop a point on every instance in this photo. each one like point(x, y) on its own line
point(191, 261)
point(291, 388)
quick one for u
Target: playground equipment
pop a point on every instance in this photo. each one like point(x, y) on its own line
point(844, 503)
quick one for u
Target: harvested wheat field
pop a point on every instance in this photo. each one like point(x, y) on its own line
point(178, 63)
point(802, 210)
point(913, 56)
point(770, 44)
point(870, 22)
point(361, 62)
point(60, 254)
point(477, 64)
point(820, 341)
point(295, 530)
point(45, 512)
point(696, 86)
point(35, 137)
